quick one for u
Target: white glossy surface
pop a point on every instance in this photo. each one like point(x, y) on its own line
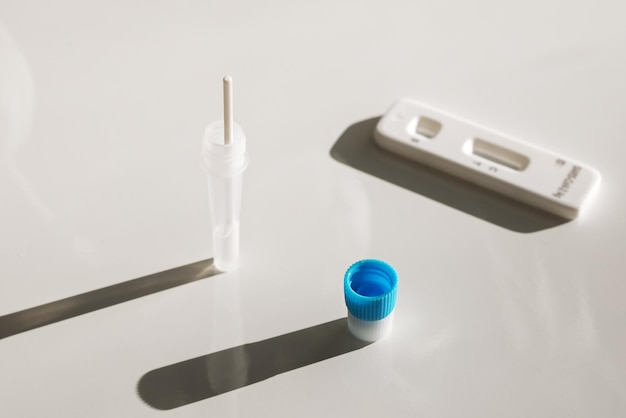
point(102, 109)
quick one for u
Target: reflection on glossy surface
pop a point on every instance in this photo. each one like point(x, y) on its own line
point(356, 148)
point(231, 371)
point(223, 371)
point(17, 95)
point(17, 108)
point(102, 298)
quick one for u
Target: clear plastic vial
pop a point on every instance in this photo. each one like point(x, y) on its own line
point(224, 164)
point(370, 290)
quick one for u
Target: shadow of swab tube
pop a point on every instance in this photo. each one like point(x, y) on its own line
point(60, 310)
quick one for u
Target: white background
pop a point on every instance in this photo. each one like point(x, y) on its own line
point(102, 109)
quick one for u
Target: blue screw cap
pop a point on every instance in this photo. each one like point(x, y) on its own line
point(370, 289)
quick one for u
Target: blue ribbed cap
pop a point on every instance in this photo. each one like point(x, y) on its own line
point(370, 289)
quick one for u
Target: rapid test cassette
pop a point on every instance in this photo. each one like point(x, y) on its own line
point(524, 172)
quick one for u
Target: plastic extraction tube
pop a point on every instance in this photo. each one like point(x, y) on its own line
point(225, 159)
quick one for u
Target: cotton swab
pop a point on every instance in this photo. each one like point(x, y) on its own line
point(228, 110)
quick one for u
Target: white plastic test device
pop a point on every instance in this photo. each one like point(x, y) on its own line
point(513, 168)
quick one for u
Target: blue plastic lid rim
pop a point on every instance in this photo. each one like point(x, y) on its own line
point(370, 289)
